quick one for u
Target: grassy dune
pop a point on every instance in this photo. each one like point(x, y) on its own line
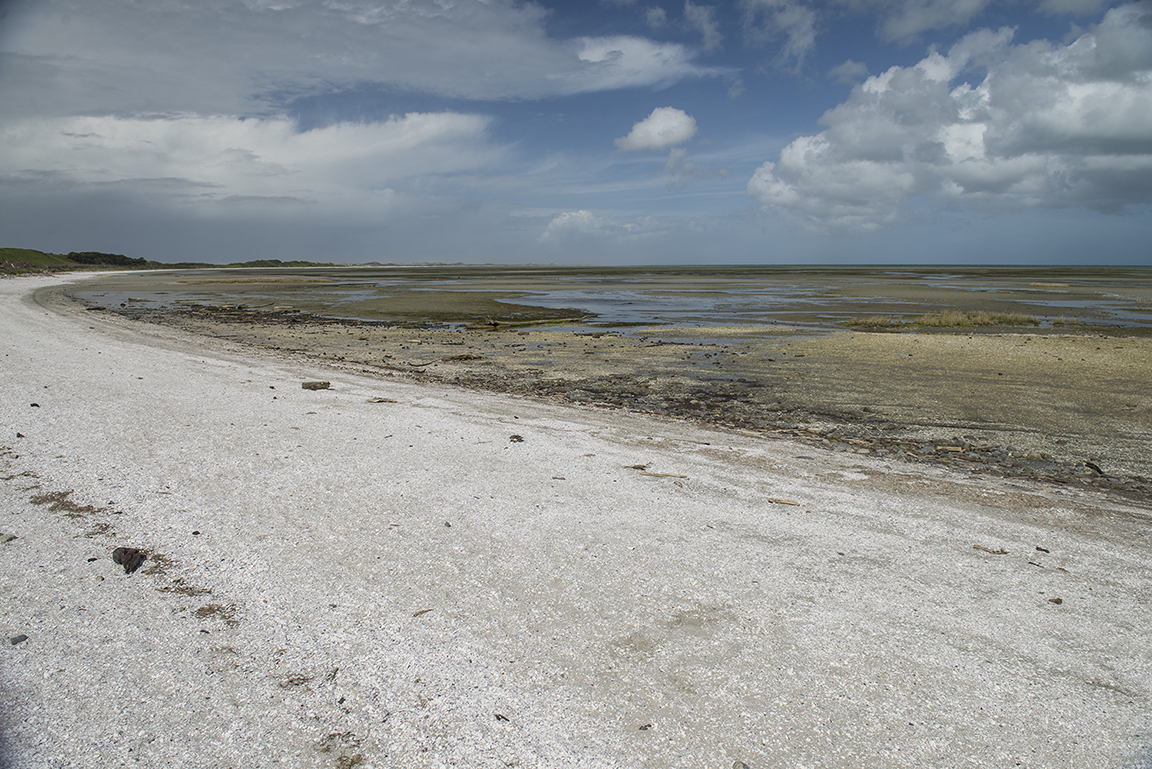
point(16, 260)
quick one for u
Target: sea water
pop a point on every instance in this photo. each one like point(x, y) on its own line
point(800, 297)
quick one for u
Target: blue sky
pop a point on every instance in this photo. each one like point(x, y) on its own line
point(623, 131)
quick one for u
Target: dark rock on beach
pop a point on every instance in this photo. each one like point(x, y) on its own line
point(129, 557)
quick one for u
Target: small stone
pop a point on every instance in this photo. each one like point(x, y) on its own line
point(315, 385)
point(129, 557)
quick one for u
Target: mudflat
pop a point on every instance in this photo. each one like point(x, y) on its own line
point(1068, 408)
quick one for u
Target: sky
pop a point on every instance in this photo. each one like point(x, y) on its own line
point(594, 132)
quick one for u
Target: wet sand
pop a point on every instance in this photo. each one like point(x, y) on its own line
point(1063, 408)
point(816, 298)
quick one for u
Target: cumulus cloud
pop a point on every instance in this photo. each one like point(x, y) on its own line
point(665, 127)
point(578, 223)
point(1047, 126)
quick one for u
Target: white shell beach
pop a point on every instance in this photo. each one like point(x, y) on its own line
point(387, 574)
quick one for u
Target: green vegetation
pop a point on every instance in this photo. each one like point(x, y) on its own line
point(946, 319)
point(876, 322)
point(954, 319)
point(20, 260)
point(16, 261)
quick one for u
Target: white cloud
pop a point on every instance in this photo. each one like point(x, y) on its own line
point(769, 20)
point(574, 227)
point(702, 19)
point(245, 58)
point(1048, 126)
point(912, 17)
point(203, 162)
point(665, 127)
point(184, 108)
point(656, 17)
point(623, 62)
point(578, 223)
point(848, 72)
point(904, 20)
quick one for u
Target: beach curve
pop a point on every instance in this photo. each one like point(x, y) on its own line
point(385, 573)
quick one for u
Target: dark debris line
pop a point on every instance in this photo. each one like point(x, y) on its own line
point(725, 404)
point(729, 405)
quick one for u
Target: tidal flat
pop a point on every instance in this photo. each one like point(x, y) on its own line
point(372, 572)
point(1061, 399)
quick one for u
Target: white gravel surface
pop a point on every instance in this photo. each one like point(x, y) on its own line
point(334, 582)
